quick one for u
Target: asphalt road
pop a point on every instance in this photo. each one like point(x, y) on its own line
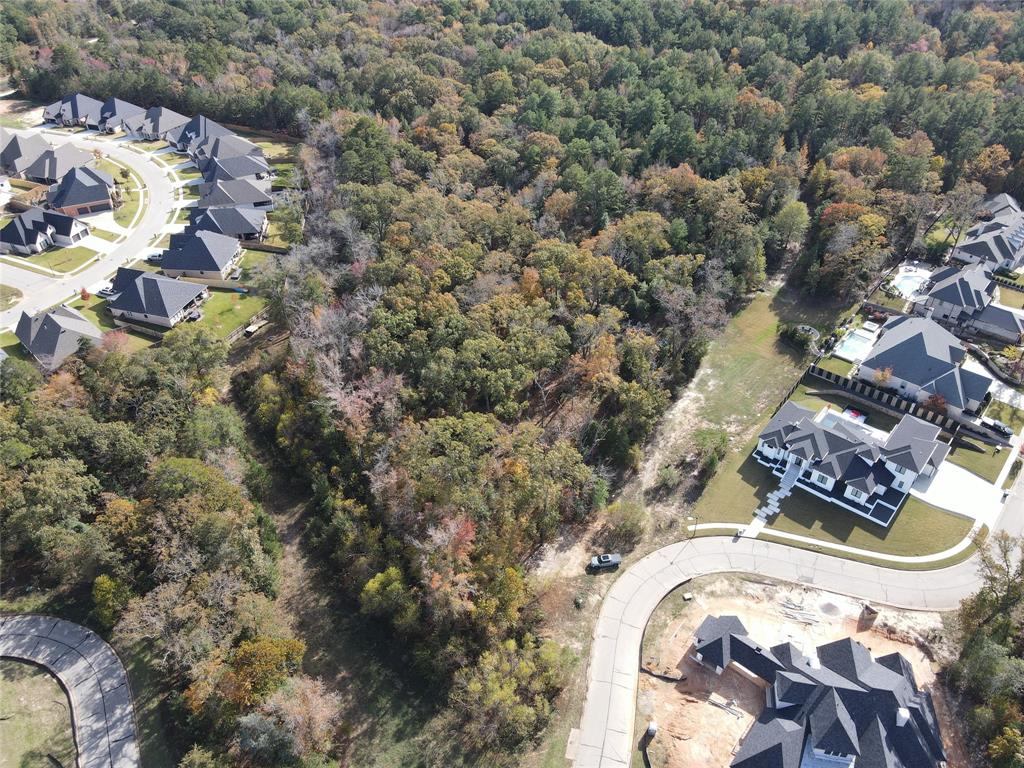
point(40, 291)
point(606, 738)
point(91, 674)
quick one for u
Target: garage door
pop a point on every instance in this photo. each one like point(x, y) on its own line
point(99, 207)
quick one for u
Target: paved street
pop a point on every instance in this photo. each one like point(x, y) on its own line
point(606, 738)
point(41, 291)
point(93, 677)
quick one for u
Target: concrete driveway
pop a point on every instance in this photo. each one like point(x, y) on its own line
point(957, 490)
point(41, 291)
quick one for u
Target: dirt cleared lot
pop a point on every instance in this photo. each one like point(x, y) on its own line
point(693, 731)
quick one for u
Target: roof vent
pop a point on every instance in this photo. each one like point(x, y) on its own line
point(902, 717)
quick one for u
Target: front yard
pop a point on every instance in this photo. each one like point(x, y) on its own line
point(987, 461)
point(225, 311)
point(60, 259)
point(9, 296)
point(131, 201)
point(742, 485)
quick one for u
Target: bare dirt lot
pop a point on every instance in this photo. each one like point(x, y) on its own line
point(693, 731)
point(17, 113)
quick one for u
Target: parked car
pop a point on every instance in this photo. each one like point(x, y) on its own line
point(155, 258)
point(608, 560)
point(997, 426)
point(106, 291)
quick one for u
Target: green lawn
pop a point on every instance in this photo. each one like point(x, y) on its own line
point(188, 174)
point(191, 193)
point(892, 302)
point(750, 367)
point(35, 718)
point(1011, 477)
point(252, 260)
point(1011, 298)
point(181, 217)
point(227, 310)
point(163, 242)
point(9, 296)
point(151, 146)
point(107, 165)
point(986, 461)
point(1010, 416)
point(61, 259)
point(102, 234)
point(131, 199)
point(835, 365)
point(742, 486)
point(145, 266)
point(9, 343)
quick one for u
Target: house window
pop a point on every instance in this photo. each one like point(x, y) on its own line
point(854, 493)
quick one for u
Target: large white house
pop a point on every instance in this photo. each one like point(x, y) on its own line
point(967, 300)
point(920, 360)
point(846, 463)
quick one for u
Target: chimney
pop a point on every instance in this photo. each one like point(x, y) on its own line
point(902, 717)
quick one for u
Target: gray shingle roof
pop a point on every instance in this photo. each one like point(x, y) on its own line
point(237, 222)
point(29, 227)
point(54, 163)
point(115, 111)
point(998, 238)
point(196, 130)
point(239, 167)
point(80, 186)
point(854, 456)
point(200, 251)
point(18, 151)
point(233, 192)
point(922, 352)
point(839, 700)
point(75, 107)
point(156, 120)
point(225, 146)
point(970, 288)
point(51, 337)
point(1001, 317)
point(151, 294)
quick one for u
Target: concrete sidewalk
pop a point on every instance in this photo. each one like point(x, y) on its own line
point(102, 710)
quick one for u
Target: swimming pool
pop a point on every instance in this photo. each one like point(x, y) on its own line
point(909, 279)
point(854, 346)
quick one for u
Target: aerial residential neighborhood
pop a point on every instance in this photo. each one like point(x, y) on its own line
point(545, 384)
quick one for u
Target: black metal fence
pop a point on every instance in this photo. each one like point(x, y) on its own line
point(889, 399)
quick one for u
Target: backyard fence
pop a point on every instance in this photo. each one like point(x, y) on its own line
point(893, 401)
point(236, 334)
point(1006, 282)
point(899, 404)
point(258, 246)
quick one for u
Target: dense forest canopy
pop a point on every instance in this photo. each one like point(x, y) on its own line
point(524, 222)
